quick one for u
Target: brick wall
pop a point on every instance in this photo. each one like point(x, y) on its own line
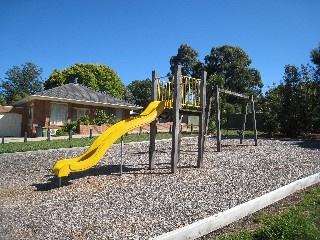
point(41, 115)
point(85, 129)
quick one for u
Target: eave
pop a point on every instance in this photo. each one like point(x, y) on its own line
point(65, 100)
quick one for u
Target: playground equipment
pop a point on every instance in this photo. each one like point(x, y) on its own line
point(178, 95)
point(245, 100)
point(183, 95)
point(93, 155)
point(166, 95)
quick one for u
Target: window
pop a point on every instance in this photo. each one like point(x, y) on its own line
point(79, 113)
point(59, 113)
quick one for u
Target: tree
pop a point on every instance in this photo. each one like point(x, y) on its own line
point(309, 98)
point(233, 64)
point(141, 91)
point(271, 107)
point(187, 58)
point(21, 82)
point(128, 96)
point(315, 58)
point(2, 100)
point(292, 108)
point(291, 101)
point(98, 77)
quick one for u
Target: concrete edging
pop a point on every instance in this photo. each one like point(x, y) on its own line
point(219, 220)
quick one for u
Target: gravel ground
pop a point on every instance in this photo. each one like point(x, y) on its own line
point(100, 204)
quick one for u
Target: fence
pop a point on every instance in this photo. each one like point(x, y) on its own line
point(234, 121)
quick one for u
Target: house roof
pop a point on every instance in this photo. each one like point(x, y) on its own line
point(5, 109)
point(80, 94)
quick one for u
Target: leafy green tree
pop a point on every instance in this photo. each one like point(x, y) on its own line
point(141, 91)
point(315, 89)
point(187, 57)
point(212, 81)
point(128, 96)
point(315, 58)
point(309, 99)
point(234, 64)
point(2, 100)
point(291, 101)
point(292, 107)
point(21, 82)
point(271, 107)
point(98, 77)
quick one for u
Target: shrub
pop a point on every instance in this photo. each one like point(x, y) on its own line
point(83, 121)
point(61, 132)
point(212, 126)
point(70, 126)
point(102, 118)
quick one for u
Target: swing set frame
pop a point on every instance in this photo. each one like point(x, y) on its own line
point(246, 101)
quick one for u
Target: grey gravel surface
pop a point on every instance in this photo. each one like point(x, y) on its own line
point(100, 204)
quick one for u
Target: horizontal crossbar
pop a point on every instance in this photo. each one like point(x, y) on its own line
point(234, 94)
point(188, 153)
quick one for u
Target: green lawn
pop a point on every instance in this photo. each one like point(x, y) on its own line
point(75, 142)
point(299, 222)
point(82, 142)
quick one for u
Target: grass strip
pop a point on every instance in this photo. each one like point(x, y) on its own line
point(301, 221)
point(75, 142)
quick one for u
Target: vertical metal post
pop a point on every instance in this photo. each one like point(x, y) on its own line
point(2, 141)
point(48, 135)
point(25, 137)
point(153, 125)
point(180, 138)
point(90, 134)
point(218, 124)
point(202, 118)
point(244, 120)
point(208, 112)
point(176, 118)
point(70, 135)
point(121, 150)
point(254, 122)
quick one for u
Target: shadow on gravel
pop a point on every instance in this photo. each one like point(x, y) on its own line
point(53, 182)
point(311, 144)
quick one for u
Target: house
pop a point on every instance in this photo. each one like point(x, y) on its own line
point(54, 107)
point(10, 121)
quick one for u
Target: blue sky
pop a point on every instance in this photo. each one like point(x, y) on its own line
point(134, 37)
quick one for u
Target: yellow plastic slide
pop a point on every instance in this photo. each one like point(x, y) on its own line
point(93, 155)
